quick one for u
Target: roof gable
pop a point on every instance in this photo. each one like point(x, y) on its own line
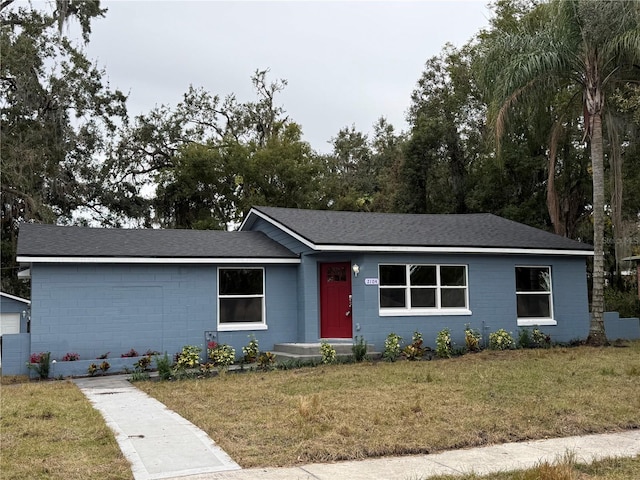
point(37, 241)
point(334, 230)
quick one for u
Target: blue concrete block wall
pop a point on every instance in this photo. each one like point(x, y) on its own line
point(15, 353)
point(621, 328)
point(98, 308)
point(492, 297)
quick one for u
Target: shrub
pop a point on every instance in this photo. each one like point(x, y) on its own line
point(540, 339)
point(189, 357)
point(92, 369)
point(251, 350)
point(444, 347)
point(163, 364)
point(328, 352)
point(142, 365)
point(104, 366)
point(416, 350)
point(222, 355)
point(472, 339)
point(103, 356)
point(70, 357)
point(392, 347)
point(130, 353)
point(40, 362)
point(524, 338)
point(359, 349)
point(266, 361)
point(501, 340)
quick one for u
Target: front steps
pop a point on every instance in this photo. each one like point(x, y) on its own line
point(311, 351)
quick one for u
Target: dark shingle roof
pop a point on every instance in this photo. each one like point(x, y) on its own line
point(36, 240)
point(483, 230)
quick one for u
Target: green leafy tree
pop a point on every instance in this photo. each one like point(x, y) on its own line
point(579, 47)
point(446, 117)
point(56, 114)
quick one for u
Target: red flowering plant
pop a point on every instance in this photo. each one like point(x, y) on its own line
point(70, 357)
point(211, 348)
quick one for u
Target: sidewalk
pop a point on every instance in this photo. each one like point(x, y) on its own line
point(160, 444)
point(484, 460)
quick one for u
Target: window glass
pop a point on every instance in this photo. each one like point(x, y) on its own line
point(423, 275)
point(533, 292)
point(423, 297)
point(241, 310)
point(534, 306)
point(393, 275)
point(240, 281)
point(241, 295)
point(453, 298)
point(533, 279)
point(392, 297)
point(336, 274)
point(453, 276)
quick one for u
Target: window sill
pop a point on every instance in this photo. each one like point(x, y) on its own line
point(234, 327)
point(424, 313)
point(535, 322)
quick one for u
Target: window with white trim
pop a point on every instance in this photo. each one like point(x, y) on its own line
point(423, 289)
point(241, 298)
point(534, 295)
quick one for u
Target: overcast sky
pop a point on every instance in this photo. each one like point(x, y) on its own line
point(346, 62)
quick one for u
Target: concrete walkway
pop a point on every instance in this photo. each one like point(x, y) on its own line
point(160, 444)
point(482, 461)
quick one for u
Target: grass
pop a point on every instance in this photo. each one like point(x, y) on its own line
point(564, 469)
point(50, 430)
point(344, 412)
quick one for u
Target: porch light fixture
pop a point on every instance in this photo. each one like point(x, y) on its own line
point(356, 269)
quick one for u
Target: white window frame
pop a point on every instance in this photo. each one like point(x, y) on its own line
point(535, 321)
point(407, 310)
point(239, 326)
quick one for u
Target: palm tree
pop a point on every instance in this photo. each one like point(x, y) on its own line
point(575, 47)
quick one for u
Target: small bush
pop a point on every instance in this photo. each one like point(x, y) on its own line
point(501, 340)
point(143, 364)
point(70, 357)
point(104, 356)
point(359, 349)
point(416, 350)
point(104, 366)
point(251, 350)
point(222, 355)
point(472, 339)
point(524, 338)
point(40, 363)
point(392, 348)
point(189, 357)
point(266, 361)
point(163, 364)
point(328, 352)
point(540, 339)
point(444, 346)
point(92, 369)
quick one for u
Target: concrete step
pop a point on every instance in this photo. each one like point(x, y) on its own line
point(342, 348)
point(311, 351)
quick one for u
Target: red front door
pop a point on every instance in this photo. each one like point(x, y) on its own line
point(335, 300)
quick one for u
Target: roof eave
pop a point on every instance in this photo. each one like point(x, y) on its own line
point(30, 259)
point(447, 249)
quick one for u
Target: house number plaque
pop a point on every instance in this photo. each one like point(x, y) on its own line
point(371, 281)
